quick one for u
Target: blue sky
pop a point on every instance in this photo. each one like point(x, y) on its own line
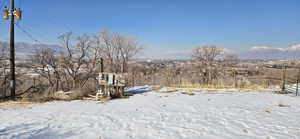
point(166, 25)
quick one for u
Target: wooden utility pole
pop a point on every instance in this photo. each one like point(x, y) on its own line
point(12, 13)
point(12, 51)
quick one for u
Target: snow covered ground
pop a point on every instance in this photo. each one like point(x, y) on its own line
point(150, 115)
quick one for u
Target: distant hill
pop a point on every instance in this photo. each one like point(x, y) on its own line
point(24, 50)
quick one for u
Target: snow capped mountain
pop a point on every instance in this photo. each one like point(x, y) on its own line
point(267, 52)
point(268, 48)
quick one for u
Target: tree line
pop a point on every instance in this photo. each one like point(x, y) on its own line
point(79, 61)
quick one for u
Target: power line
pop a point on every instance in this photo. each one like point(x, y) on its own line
point(27, 33)
point(29, 29)
point(3, 4)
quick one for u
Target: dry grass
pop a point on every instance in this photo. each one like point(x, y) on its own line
point(50, 95)
point(281, 92)
point(214, 87)
point(268, 110)
point(168, 90)
point(37, 98)
point(15, 104)
point(197, 85)
point(253, 87)
point(211, 90)
point(72, 95)
point(156, 88)
point(188, 92)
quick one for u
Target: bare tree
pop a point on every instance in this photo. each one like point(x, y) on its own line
point(75, 61)
point(117, 49)
point(3, 57)
point(80, 59)
point(128, 48)
point(230, 59)
point(73, 67)
point(4, 51)
point(207, 54)
point(47, 66)
point(207, 57)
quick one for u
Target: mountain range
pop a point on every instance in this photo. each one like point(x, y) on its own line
point(23, 50)
point(267, 52)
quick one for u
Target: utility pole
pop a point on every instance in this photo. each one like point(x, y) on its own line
point(12, 13)
point(12, 51)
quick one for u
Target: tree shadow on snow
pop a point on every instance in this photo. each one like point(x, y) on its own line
point(33, 131)
point(138, 90)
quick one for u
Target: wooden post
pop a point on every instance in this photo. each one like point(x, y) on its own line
point(234, 78)
point(34, 82)
point(283, 79)
point(4, 86)
point(297, 82)
point(102, 88)
point(101, 64)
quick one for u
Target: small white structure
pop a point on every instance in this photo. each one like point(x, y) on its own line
point(110, 85)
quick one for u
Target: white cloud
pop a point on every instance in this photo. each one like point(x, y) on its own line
point(229, 51)
point(295, 47)
point(265, 48)
point(176, 52)
point(268, 52)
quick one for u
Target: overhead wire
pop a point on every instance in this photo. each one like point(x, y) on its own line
point(3, 4)
point(52, 20)
point(27, 33)
point(31, 31)
point(28, 30)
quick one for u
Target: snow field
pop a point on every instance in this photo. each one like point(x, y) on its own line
point(152, 115)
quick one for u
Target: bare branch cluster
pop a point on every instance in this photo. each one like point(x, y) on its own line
point(208, 54)
point(4, 51)
point(207, 57)
point(80, 59)
point(117, 49)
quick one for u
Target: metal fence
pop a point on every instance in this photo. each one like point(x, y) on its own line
point(291, 85)
point(292, 88)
